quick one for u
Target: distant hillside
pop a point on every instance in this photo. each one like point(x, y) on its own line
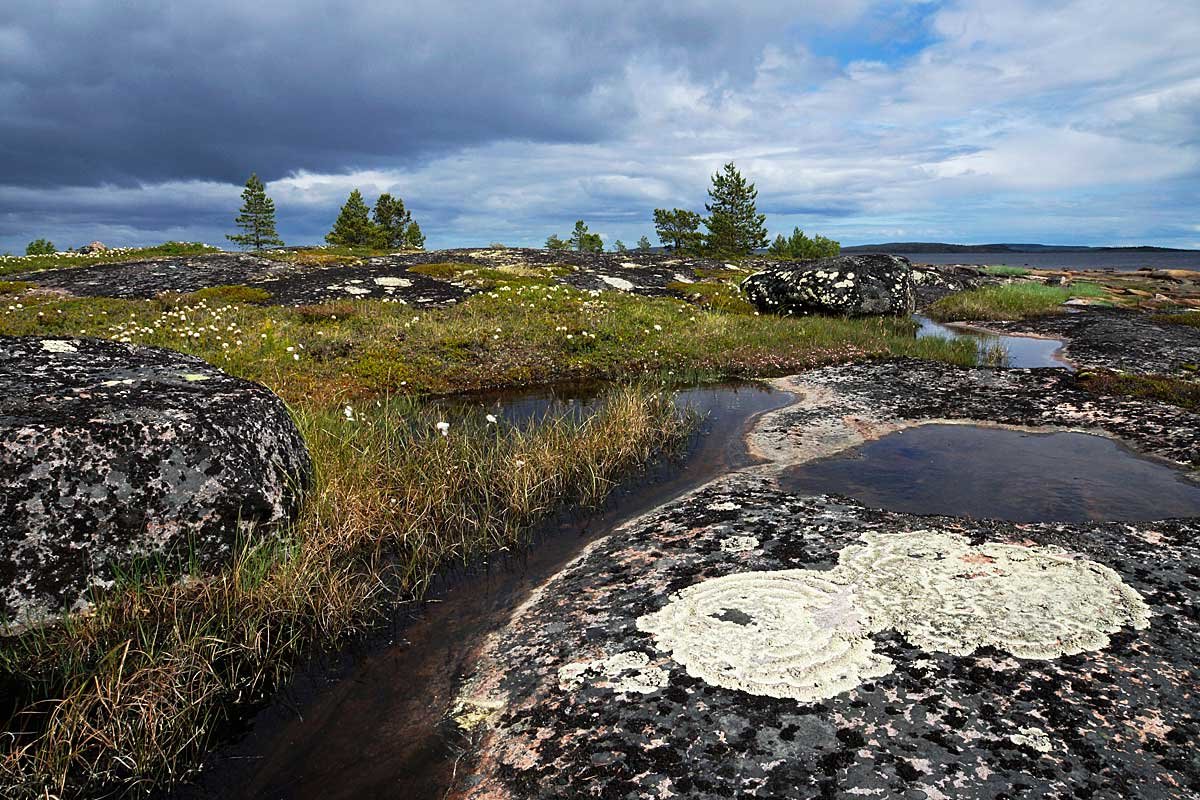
point(943, 247)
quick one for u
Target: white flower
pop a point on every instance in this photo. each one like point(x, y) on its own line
point(491, 418)
point(658, 327)
point(349, 412)
point(520, 462)
point(443, 428)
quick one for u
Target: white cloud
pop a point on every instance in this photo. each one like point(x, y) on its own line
point(1070, 121)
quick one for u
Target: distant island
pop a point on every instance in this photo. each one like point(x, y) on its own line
point(942, 247)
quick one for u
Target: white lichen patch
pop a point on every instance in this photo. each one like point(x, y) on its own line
point(947, 596)
point(627, 671)
point(739, 544)
point(728, 505)
point(792, 633)
point(618, 283)
point(805, 634)
point(400, 282)
point(58, 346)
point(193, 376)
point(1036, 738)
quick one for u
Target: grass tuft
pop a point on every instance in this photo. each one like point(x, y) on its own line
point(1011, 301)
point(1163, 388)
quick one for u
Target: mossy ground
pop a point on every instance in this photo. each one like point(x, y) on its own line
point(516, 334)
point(1163, 388)
point(10, 265)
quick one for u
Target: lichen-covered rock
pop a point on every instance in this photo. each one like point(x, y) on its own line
point(855, 285)
point(111, 452)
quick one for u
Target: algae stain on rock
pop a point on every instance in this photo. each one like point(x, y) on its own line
point(806, 634)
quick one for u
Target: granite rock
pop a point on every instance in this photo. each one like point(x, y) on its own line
point(110, 453)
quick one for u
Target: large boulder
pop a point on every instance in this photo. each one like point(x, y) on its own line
point(111, 453)
point(850, 285)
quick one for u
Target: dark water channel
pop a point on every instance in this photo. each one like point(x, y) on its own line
point(371, 723)
point(1019, 351)
point(975, 471)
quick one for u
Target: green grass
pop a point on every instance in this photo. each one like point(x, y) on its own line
point(132, 694)
point(1164, 388)
point(10, 265)
point(1001, 270)
point(1011, 301)
point(514, 335)
point(713, 295)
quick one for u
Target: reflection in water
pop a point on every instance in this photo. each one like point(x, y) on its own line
point(1019, 351)
point(996, 473)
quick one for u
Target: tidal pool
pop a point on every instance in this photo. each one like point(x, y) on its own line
point(998, 473)
point(1019, 351)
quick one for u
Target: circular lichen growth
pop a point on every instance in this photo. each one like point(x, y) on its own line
point(943, 594)
point(806, 634)
point(792, 633)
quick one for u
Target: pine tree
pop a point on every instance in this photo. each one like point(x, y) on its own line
point(353, 227)
point(620, 247)
point(392, 221)
point(644, 244)
point(798, 247)
point(583, 241)
point(555, 243)
point(678, 229)
point(40, 247)
point(257, 217)
point(413, 238)
point(735, 228)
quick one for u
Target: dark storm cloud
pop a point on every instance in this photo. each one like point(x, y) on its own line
point(97, 91)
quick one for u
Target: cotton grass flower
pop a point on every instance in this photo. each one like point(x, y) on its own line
point(443, 428)
point(491, 418)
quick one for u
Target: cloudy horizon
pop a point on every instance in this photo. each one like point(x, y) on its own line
point(1071, 122)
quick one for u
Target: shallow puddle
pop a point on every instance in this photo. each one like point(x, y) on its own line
point(1019, 351)
point(976, 471)
point(373, 723)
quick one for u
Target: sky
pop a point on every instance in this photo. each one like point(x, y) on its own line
point(1054, 121)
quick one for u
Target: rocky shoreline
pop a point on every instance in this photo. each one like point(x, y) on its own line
point(581, 696)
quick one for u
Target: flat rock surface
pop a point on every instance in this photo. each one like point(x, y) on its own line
point(1114, 338)
point(111, 452)
point(586, 696)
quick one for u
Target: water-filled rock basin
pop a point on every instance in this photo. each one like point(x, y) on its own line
point(999, 473)
point(1018, 351)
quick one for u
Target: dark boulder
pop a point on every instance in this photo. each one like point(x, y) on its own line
point(111, 453)
point(851, 285)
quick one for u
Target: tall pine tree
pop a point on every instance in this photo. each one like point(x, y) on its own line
point(256, 219)
point(392, 221)
point(735, 228)
point(353, 227)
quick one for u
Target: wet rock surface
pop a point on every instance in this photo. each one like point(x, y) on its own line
point(112, 452)
point(592, 689)
point(855, 285)
point(1118, 339)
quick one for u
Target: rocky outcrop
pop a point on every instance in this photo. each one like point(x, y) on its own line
point(745, 640)
point(854, 286)
point(390, 277)
point(111, 453)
